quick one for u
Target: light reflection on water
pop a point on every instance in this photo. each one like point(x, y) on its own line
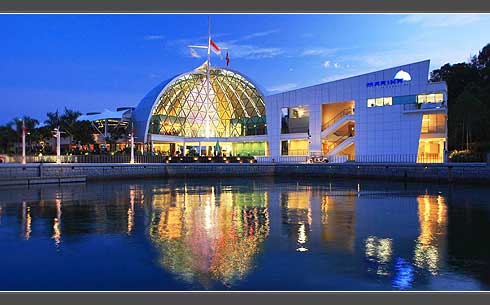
point(253, 235)
point(202, 235)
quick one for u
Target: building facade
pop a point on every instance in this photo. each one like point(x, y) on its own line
point(392, 115)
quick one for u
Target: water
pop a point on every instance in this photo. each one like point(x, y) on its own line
point(245, 234)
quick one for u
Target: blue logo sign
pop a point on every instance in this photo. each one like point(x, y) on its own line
point(400, 77)
point(385, 82)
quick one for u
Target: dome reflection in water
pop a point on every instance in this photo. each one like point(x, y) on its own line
point(205, 235)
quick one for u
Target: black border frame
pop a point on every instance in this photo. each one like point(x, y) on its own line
point(250, 6)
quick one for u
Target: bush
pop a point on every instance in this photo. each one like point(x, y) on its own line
point(464, 156)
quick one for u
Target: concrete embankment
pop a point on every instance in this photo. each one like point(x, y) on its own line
point(442, 173)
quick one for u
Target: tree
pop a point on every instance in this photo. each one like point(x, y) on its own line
point(67, 122)
point(7, 138)
point(83, 133)
point(53, 120)
point(468, 109)
point(30, 123)
point(468, 101)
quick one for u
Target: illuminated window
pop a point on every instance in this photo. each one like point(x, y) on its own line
point(430, 98)
point(294, 147)
point(387, 101)
point(380, 101)
point(371, 102)
point(433, 123)
point(295, 119)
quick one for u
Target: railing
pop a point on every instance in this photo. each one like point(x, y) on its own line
point(282, 159)
point(433, 129)
point(333, 145)
point(424, 106)
point(390, 158)
point(379, 158)
point(337, 117)
point(295, 152)
point(127, 159)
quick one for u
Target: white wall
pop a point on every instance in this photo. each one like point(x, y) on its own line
point(379, 130)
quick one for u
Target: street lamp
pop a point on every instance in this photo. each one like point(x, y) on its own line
point(132, 146)
point(57, 135)
point(24, 130)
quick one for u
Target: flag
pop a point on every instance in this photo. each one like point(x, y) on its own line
point(227, 59)
point(215, 47)
point(194, 53)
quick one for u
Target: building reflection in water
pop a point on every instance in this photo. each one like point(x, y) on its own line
point(404, 274)
point(338, 216)
point(428, 249)
point(204, 234)
point(296, 214)
point(132, 198)
point(26, 221)
point(57, 220)
point(379, 252)
point(431, 243)
point(211, 232)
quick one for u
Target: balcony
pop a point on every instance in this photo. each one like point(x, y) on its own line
point(425, 107)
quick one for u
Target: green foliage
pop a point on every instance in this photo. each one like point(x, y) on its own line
point(83, 133)
point(464, 156)
point(468, 101)
point(7, 138)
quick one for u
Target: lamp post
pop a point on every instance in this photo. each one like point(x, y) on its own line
point(58, 145)
point(132, 146)
point(24, 129)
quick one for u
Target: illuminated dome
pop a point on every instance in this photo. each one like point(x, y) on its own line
point(182, 106)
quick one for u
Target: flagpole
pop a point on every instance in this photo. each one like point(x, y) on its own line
point(208, 66)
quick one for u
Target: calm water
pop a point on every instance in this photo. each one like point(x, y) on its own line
point(245, 235)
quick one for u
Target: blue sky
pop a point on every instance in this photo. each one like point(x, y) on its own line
point(97, 62)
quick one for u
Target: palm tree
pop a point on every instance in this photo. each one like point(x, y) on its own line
point(7, 138)
point(30, 124)
point(67, 122)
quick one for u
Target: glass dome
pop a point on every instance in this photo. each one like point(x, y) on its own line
point(228, 106)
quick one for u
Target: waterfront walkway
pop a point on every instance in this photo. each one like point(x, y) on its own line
point(441, 173)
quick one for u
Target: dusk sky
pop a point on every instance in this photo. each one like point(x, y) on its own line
point(97, 62)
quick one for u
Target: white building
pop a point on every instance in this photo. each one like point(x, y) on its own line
point(392, 115)
point(389, 115)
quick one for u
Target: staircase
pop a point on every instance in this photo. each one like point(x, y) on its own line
point(339, 145)
point(338, 141)
point(339, 120)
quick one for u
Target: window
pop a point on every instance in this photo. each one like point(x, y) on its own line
point(433, 123)
point(387, 101)
point(294, 147)
point(295, 119)
point(404, 99)
point(380, 101)
point(430, 98)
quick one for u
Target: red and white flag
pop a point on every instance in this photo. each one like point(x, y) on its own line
point(215, 47)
